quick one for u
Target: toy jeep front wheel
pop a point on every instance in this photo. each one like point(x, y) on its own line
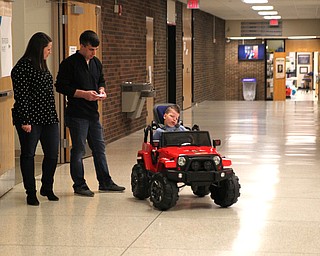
point(163, 193)
point(227, 192)
point(139, 182)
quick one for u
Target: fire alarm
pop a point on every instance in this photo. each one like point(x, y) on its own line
point(118, 9)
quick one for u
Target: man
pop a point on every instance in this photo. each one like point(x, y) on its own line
point(81, 78)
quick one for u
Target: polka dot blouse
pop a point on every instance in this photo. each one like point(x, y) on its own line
point(33, 94)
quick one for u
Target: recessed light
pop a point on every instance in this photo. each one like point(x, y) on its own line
point(302, 37)
point(265, 13)
point(255, 1)
point(275, 17)
point(262, 7)
point(242, 38)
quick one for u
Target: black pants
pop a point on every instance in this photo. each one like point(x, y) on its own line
point(49, 139)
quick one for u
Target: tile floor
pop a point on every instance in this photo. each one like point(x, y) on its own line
point(275, 151)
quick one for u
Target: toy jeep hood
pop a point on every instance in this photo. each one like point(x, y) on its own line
point(188, 150)
point(188, 143)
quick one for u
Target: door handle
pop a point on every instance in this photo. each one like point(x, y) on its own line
point(6, 93)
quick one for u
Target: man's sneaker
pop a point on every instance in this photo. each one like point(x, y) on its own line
point(111, 187)
point(83, 191)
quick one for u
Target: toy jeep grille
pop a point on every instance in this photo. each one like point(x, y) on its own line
point(202, 164)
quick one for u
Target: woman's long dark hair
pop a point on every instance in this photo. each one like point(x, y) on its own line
point(34, 50)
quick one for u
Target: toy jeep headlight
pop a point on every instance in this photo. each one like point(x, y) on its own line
point(181, 161)
point(216, 160)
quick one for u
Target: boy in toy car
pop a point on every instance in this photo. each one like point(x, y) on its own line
point(171, 118)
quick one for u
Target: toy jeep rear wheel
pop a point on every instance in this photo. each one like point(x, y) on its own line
point(200, 191)
point(227, 193)
point(139, 182)
point(163, 193)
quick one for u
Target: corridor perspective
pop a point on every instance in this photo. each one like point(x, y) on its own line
point(274, 147)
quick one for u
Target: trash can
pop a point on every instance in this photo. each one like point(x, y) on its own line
point(249, 88)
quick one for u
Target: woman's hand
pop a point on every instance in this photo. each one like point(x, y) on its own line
point(26, 127)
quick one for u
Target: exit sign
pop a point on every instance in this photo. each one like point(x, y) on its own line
point(274, 23)
point(193, 4)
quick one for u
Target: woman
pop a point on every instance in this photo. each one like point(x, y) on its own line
point(35, 117)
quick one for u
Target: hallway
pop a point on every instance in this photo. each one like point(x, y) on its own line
point(275, 151)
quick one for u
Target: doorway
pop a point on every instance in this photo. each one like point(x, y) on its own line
point(187, 57)
point(81, 17)
point(149, 66)
point(171, 64)
point(301, 69)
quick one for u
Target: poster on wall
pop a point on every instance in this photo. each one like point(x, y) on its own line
point(5, 46)
point(280, 68)
point(303, 59)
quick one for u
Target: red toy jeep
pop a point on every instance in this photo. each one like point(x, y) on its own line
point(184, 158)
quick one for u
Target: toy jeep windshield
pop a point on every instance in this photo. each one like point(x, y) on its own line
point(182, 158)
point(194, 138)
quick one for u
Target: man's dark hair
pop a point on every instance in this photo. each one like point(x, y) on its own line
point(34, 50)
point(89, 37)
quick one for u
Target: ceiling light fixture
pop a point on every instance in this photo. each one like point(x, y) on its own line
point(266, 13)
point(302, 37)
point(255, 1)
point(242, 38)
point(275, 17)
point(262, 8)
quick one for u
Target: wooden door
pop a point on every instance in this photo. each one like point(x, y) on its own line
point(80, 17)
point(149, 66)
point(187, 57)
point(279, 76)
point(7, 163)
point(316, 73)
point(318, 80)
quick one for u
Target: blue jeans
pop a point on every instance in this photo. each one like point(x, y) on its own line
point(80, 131)
point(49, 139)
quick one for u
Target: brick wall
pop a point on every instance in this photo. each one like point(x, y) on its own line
point(158, 10)
point(208, 57)
point(124, 58)
point(236, 70)
point(216, 71)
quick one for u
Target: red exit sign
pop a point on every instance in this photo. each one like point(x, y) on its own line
point(193, 4)
point(274, 23)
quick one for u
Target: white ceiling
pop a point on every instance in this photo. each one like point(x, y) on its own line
point(237, 10)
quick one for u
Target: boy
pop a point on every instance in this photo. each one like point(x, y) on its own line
point(171, 118)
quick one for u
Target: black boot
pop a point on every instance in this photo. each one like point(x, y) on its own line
point(32, 198)
point(49, 194)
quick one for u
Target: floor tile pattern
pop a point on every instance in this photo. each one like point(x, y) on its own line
point(275, 150)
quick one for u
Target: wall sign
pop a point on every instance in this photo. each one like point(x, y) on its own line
point(280, 68)
point(5, 46)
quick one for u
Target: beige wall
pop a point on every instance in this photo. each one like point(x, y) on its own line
point(289, 28)
point(29, 17)
point(7, 163)
point(303, 45)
